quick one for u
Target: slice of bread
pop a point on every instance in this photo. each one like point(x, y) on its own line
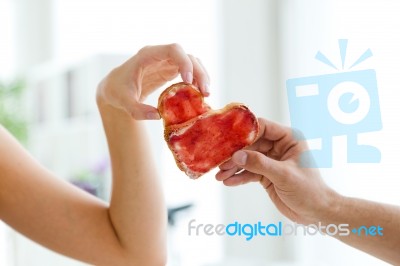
point(201, 138)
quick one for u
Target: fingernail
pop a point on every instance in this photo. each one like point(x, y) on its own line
point(152, 116)
point(240, 157)
point(188, 77)
point(207, 89)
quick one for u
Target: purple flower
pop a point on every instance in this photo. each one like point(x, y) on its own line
point(100, 167)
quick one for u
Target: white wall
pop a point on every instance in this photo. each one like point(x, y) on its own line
point(7, 31)
point(33, 33)
point(251, 75)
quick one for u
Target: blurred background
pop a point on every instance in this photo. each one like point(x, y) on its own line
point(53, 53)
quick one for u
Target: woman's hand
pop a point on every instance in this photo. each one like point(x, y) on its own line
point(128, 85)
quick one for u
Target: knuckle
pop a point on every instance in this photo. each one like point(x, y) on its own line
point(259, 160)
point(175, 47)
point(192, 57)
point(262, 120)
point(144, 49)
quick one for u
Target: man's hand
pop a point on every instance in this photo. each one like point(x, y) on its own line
point(274, 161)
point(301, 195)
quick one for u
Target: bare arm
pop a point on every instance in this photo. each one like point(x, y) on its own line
point(137, 210)
point(129, 231)
point(367, 214)
point(301, 195)
point(52, 212)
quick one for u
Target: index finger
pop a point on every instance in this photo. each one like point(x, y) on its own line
point(272, 131)
point(174, 54)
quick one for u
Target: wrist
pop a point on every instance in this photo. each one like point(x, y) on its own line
point(329, 212)
point(107, 108)
point(112, 115)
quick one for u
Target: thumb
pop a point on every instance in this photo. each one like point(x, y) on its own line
point(258, 163)
point(141, 111)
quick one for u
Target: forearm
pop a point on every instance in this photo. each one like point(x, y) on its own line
point(137, 208)
point(384, 243)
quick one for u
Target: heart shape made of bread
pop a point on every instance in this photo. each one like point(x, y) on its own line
point(201, 138)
